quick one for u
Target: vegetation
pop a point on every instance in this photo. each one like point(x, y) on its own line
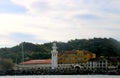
point(6, 64)
point(99, 46)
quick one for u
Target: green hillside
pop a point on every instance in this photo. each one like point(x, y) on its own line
point(99, 46)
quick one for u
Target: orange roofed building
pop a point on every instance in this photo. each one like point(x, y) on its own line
point(44, 63)
point(75, 57)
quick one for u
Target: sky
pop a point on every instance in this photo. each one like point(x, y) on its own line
point(41, 21)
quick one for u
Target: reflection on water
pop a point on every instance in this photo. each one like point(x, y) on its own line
point(64, 76)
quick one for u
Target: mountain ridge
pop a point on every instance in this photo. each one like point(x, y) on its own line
point(100, 46)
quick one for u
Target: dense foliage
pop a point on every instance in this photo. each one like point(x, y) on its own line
point(99, 46)
point(6, 64)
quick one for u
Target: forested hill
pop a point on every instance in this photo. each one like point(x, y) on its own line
point(99, 46)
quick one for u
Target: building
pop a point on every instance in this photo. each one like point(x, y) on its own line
point(65, 59)
point(44, 63)
point(98, 63)
point(101, 63)
point(75, 57)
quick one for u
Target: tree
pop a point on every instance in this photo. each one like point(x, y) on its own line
point(6, 64)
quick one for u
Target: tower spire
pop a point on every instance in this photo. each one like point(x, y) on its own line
point(54, 53)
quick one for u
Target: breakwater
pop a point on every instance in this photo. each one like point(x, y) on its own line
point(65, 71)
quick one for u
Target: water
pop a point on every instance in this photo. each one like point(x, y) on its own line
point(64, 76)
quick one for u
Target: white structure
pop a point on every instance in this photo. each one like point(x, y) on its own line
point(54, 53)
point(103, 64)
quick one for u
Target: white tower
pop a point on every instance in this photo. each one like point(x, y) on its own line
point(54, 53)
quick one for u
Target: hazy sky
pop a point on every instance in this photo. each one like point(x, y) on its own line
point(40, 21)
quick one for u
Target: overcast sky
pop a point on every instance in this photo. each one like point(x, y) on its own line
point(40, 21)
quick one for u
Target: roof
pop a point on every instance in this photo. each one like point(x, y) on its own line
point(44, 61)
point(75, 52)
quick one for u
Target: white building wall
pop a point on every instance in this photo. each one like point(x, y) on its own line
point(28, 66)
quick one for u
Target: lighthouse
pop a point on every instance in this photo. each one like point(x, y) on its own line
point(54, 53)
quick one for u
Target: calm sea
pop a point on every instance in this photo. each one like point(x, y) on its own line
point(64, 76)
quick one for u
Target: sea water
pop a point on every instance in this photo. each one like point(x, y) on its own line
point(64, 76)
